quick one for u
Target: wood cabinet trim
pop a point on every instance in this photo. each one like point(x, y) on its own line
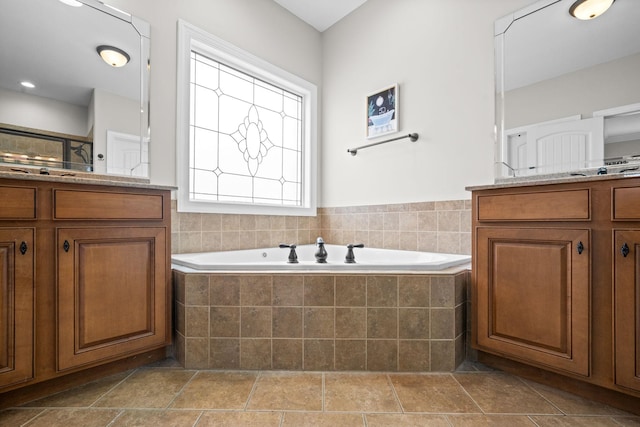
point(538, 206)
point(625, 204)
point(18, 203)
point(103, 205)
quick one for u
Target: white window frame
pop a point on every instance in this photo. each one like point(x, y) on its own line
point(190, 37)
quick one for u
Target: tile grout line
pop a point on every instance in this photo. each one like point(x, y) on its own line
point(179, 392)
point(102, 396)
point(467, 393)
point(542, 396)
point(253, 389)
point(395, 393)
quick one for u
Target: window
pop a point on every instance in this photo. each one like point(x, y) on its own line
point(246, 131)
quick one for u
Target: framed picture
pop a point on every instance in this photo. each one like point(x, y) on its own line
point(382, 112)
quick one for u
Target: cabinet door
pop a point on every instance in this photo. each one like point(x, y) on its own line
point(16, 305)
point(112, 293)
point(531, 300)
point(627, 308)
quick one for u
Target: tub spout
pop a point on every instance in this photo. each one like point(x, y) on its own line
point(350, 258)
point(293, 257)
point(321, 253)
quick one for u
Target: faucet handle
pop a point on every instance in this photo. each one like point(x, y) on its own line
point(293, 257)
point(350, 258)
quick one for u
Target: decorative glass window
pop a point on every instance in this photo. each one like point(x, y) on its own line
point(245, 132)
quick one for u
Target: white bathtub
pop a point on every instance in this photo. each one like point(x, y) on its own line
point(275, 259)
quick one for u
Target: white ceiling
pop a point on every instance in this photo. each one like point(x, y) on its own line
point(321, 14)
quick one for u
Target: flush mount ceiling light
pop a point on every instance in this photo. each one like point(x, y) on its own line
point(27, 84)
point(589, 9)
point(73, 3)
point(113, 56)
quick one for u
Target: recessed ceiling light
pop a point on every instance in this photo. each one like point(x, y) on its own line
point(27, 84)
point(589, 9)
point(73, 3)
point(113, 56)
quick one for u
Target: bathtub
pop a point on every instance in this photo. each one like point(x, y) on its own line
point(275, 259)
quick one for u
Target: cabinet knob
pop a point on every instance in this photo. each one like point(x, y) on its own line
point(23, 248)
point(66, 246)
point(580, 248)
point(624, 250)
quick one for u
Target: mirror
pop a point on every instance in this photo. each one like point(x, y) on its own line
point(83, 113)
point(567, 91)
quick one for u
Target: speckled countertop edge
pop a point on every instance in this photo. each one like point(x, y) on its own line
point(549, 180)
point(73, 177)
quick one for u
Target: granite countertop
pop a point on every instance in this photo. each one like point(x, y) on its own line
point(77, 177)
point(613, 172)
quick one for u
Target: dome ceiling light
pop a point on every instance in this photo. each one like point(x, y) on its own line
point(73, 3)
point(113, 56)
point(589, 9)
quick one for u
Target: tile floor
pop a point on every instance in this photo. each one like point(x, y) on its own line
point(167, 395)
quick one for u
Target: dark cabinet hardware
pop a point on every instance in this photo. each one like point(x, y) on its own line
point(23, 248)
point(580, 248)
point(66, 246)
point(625, 250)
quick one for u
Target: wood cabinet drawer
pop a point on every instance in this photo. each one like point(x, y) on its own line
point(626, 203)
point(535, 206)
point(76, 204)
point(17, 203)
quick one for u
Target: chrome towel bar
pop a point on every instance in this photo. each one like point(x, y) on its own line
point(412, 136)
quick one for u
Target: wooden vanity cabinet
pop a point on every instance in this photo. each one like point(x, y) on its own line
point(626, 283)
point(553, 296)
point(16, 306)
point(110, 293)
point(627, 308)
point(532, 295)
point(91, 295)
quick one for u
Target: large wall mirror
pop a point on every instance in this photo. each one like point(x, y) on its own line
point(567, 90)
point(80, 112)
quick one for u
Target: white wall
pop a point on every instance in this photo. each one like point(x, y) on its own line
point(36, 112)
point(260, 27)
point(604, 86)
point(113, 113)
point(440, 52)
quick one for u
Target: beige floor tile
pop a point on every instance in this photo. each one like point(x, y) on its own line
point(571, 421)
point(628, 421)
point(435, 393)
point(573, 405)
point(359, 393)
point(156, 418)
point(147, 388)
point(81, 396)
point(288, 391)
point(313, 419)
point(477, 420)
point(498, 393)
point(240, 419)
point(216, 390)
point(17, 417)
point(406, 420)
point(74, 418)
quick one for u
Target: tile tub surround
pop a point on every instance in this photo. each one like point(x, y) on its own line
point(320, 321)
point(443, 226)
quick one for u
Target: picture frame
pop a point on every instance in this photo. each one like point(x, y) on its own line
point(382, 112)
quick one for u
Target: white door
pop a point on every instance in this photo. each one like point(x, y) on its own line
point(565, 146)
point(126, 155)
